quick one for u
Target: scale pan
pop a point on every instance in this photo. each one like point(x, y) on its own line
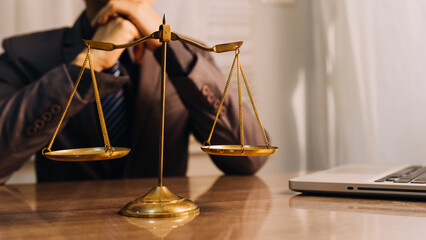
point(86, 154)
point(238, 150)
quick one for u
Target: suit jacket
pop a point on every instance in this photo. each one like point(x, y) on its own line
point(36, 79)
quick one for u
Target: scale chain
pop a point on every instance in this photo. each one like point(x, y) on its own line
point(221, 100)
point(252, 103)
point(77, 82)
point(239, 68)
point(240, 105)
point(98, 105)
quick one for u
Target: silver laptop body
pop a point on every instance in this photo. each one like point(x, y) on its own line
point(363, 180)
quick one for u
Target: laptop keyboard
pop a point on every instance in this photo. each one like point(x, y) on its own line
point(412, 174)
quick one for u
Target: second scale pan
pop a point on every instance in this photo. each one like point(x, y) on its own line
point(239, 150)
point(87, 154)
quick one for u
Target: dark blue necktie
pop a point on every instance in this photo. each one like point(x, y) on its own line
point(115, 111)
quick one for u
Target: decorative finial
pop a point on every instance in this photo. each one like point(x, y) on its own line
point(164, 18)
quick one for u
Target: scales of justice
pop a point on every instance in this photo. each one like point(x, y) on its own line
point(160, 202)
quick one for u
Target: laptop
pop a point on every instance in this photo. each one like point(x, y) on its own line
point(404, 181)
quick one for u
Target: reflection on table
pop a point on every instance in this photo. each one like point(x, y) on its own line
point(88, 210)
point(232, 207)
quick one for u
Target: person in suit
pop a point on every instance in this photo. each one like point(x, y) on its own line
point(38, 72)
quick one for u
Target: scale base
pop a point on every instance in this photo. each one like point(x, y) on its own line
point(159, 202)
point(160, 227)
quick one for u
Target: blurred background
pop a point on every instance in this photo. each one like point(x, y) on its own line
point(335, 81)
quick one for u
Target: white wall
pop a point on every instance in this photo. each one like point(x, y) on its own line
point(284, 63)
point(23, 16)
point(369, 78)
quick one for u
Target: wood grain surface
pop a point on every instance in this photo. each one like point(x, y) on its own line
point(232, 207)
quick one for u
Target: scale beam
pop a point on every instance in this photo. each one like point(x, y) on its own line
point(111, 46)
point(219, 48)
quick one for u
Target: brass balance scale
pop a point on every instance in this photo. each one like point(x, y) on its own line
point(160, 202)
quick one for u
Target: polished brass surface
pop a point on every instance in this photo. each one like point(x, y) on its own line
point(87, 154)
point(225, 47)
point(165, 36)
point(239, 150)
point(77, 82)
point(219, 48)
point(111, 46)
point(160, 203)
point(169, 36)
point(99, 105)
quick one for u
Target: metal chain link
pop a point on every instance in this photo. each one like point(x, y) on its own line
point(98, 105)
point(68, 104)
point(221, 101)
point(101, 115)
point(108, 147)
point(240, 105)
point(252, 103)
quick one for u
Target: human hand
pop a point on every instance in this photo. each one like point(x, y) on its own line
point(117, 30)
point(139, 12)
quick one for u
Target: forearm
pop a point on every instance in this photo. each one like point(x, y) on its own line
point(29, 115)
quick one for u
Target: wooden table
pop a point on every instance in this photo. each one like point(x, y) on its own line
point(233, 207)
